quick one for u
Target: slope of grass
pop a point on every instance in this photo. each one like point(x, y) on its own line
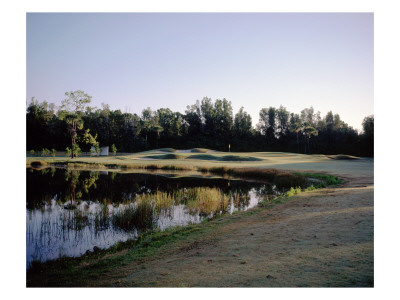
point(165, 156)
point(199, 150)
point(223, 158)
point(202, 157)
point(238, 158)
point(166, 150)
point(342, 156)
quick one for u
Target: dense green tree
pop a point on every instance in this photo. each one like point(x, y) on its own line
point(282, 118)
point(368, 134)
point(307, 116)
point(267, 123)
point(242, 123)
point(147, 122)
point(208, 116)
point(193, 118)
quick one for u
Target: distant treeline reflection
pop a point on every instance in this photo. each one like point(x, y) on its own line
point(74, 185)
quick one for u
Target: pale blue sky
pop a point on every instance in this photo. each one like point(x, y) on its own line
point(255, 60)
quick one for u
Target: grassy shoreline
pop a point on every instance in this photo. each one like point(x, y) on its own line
point(83, 270)
point(80, 270)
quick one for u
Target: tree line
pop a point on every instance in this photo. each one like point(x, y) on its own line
point(76, 126)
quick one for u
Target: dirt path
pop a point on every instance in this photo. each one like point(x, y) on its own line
point(318, 239)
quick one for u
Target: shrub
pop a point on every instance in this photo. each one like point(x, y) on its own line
point(68, 151)
point(53, 152)
point(114, 149)
point(293, 191)
point(77, 150)
point(45, 152)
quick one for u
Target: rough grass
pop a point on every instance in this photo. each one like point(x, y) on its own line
point(328, 179)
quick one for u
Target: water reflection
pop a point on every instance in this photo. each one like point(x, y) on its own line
point(70, 212)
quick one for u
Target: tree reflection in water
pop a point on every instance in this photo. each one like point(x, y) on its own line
point(70, 212)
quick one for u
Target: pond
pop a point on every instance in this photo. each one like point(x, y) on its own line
point(70, 212)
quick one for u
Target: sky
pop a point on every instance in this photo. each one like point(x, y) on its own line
point(136, 60)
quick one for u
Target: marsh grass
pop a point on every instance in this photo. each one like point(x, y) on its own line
point(77, 221)
point(161, 200)
point(164, 167)
point(83, 164)
point(266, 174)
point(144, 212)
point(101, 218)
point(206, 201)
point(240, 200)
point(288, 180)
point(139, 215)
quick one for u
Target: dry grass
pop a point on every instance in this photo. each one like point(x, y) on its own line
point(206, 201)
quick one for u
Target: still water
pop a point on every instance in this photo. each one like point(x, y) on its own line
point(71, 212)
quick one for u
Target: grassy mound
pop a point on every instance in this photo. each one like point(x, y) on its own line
point(203, 157)
point(165, 156)
point(166, 150)
point(238, 158)
point(342, 156)
point(199, 150)
point(223, 158)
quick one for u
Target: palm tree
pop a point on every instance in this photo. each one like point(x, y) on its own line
point(308, 131)
point(157, 128)
point(296, 127)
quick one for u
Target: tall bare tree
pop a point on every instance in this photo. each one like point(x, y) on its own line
point(72, 108)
